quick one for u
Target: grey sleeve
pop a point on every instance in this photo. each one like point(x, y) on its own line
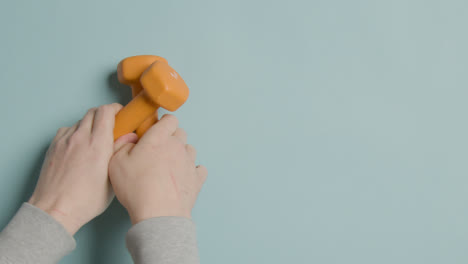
point(163, 240)
point(33, 236)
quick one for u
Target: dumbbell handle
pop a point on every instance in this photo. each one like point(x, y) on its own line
point(133, 114)
point(150, 121)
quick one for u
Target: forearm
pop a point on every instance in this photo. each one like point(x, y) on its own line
point(163, 240)
point(33, 236)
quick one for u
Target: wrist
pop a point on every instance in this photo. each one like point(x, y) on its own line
point(135, 218)
point(67, 221)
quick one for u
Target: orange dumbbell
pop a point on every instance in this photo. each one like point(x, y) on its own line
point(129, 72)
point(130, 69)
point(160, 86)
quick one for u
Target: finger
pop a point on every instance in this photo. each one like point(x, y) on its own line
point(87, 121)
point(163, 128)
point(61, 131)
point(202, 172)
point(147, 124)
point(192, 152)
point(104, 120)
point(181, 134)
point(130, 138)
point(72, 129)
point(125, 149)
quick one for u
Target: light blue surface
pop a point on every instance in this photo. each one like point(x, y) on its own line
point(334, 131)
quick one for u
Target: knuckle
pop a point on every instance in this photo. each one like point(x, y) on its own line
point(92, 110)
point(172, 119)
point(109, 109)
point(104, 108)
point(115, 105)
point(191, 149)
point(60, 132)
point(180, 146)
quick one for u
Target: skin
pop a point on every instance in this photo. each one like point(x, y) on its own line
point(157, 176)
point(74, 185)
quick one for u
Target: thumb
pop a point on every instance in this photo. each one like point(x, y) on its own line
point(127, 139)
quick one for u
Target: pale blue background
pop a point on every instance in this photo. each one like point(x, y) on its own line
point(334, 131)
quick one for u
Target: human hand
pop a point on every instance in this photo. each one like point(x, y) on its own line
point(157, 176)
point(73, 186)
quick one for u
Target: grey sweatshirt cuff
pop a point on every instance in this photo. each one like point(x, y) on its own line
point(33, 236)
point(163, 240)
